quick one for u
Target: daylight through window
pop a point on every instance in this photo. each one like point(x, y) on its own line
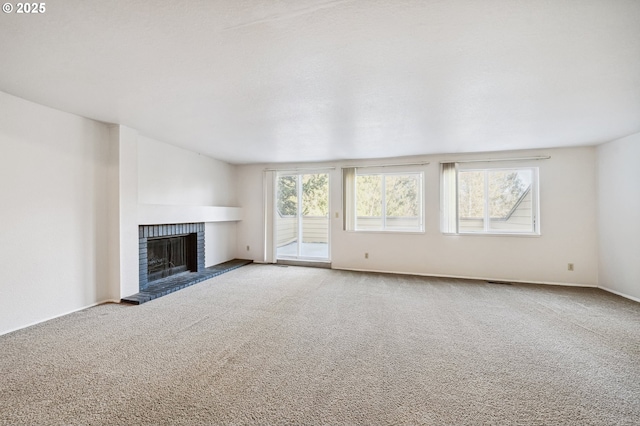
point(492, 201)
point(388, 202)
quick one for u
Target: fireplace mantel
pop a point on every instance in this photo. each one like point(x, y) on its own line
point(152, 214)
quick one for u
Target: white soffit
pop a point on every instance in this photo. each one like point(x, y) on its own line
point(311, 80)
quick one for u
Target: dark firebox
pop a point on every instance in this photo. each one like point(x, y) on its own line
point(170, 256)
point(167, 250)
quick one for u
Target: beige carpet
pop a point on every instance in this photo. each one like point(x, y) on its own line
point(287, 345)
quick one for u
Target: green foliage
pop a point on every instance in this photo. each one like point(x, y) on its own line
point(287, 198)
point(471, 194)
point(369, 195)
point(505, 187)
point(315, 195)
point(401, 195)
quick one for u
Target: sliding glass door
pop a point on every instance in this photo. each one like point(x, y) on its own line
point(302, 216)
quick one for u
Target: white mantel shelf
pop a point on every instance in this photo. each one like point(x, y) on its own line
point(153, 214)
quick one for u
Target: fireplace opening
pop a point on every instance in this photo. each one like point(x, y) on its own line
point(172, 255)
point(171, 249)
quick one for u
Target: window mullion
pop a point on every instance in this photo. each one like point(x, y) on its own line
point(535, 199)
point(486, 201)
point(300, 223)
point(509, 198)
point(384, 202)
point(457, 195)
point(421, 201)
point(414, 220)
point(355, 202)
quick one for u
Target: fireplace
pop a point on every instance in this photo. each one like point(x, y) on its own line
point(169, 256)
point(166, 250)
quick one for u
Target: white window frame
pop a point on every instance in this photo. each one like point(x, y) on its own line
point(419, 229)
point(274, 220)
point(454, 228)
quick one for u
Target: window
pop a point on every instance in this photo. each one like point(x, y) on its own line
point(383, 201)
point(489, 200)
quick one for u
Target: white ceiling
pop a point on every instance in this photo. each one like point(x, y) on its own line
point(309, 80)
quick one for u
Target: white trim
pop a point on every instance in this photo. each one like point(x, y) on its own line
point(490, 234)
point(272, 208)
point(265, 217)
point(533, 189)
point(299, 217)
point(383, 198)
point(154, 214)
point(299, 173)
point(618, 293)
point(425, 163)
point(392, 231)
point(492, 160)
point(2, 333)
point(294, 170)
point(505, 280)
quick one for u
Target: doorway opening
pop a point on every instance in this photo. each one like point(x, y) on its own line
point(302, 216)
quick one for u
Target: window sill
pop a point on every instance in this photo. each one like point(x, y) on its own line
point(492, 234)
point(379, 231)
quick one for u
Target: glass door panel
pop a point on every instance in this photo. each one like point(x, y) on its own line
point(302, 216)
point(315, 216)
point(287, 223)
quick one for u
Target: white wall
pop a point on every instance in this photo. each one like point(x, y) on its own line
point(71, 190)
point(250, 232)
point(168, 175)
point(123, 220)
point(53, 214)
point(568, 223)
point(619, 216)
point(175, 176)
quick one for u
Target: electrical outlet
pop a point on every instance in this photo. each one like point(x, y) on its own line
point(366, 255)
point(569, 266)
point(248, 248)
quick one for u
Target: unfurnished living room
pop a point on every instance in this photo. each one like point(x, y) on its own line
point(320, 212)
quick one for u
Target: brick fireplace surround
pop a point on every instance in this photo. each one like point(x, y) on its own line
point(149, 290)
point(154, 231)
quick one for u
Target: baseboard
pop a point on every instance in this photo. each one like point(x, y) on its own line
point(2, 333)
point(617, 293)
point(470, 278)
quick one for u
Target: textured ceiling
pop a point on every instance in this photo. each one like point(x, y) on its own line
point(309, 80)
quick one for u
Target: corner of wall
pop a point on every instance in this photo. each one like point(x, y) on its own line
point(618, 209)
